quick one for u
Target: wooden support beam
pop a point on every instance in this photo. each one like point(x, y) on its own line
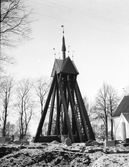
point(65, 109)
point(57, 127)
point(65, 130)
point(74, 112)
point(44, 111)
point(58, 106)
point(91, 135)
point(51, 111)
point(81, 111)
point(74, 127)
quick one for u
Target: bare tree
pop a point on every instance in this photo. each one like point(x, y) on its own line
point(102, 107)
point(113, 100)
point(14, 28)
point(106, 104)
point(41, 87)
point(14, 22)
point(24, 106)
point(4, 61)
point(5, 96)
point(10, 129)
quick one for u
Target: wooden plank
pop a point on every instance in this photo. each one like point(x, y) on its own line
point(49, 138)
point(74, 112)
point(39, 129)
point(65, 109)
point(51, 111)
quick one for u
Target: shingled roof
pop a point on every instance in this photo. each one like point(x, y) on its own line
point(123, 107)
point(64, 66)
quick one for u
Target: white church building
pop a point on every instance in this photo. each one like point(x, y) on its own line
point(121, 120)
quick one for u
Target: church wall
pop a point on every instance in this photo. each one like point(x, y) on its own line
point(118, 127)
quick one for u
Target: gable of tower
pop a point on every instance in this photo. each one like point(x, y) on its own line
point(68, 67)
point(64, 66)
point(57, 67)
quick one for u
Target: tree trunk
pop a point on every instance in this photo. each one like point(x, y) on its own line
point(106, 127)
point(112, 136)
point(5, 122)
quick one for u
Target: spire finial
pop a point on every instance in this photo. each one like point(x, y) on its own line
point(63, 44)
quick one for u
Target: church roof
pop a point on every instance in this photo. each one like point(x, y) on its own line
point(123, 107)
point(64, 66)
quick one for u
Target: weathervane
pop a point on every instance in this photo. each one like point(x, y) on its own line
point(62, 28)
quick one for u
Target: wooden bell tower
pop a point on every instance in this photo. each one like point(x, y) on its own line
point(64, 105)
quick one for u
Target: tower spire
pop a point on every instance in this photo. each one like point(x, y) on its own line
point(63, 45)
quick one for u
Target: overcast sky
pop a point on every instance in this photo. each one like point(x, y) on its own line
point(97, 39)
